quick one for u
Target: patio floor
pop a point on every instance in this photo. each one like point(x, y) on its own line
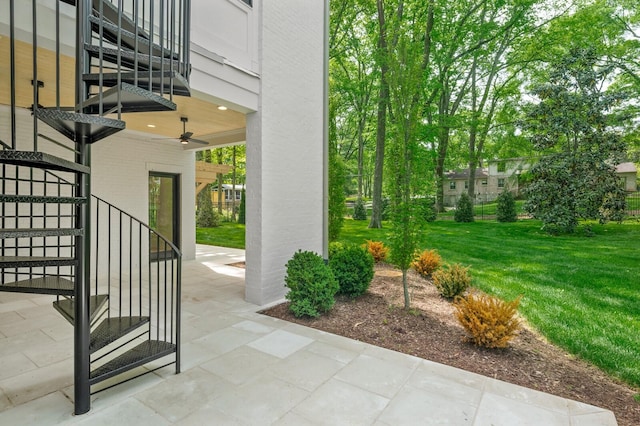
point(243, 368)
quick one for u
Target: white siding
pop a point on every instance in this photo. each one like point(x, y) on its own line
point(284, 146)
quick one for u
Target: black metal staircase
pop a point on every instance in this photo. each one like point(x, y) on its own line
point(115, 280)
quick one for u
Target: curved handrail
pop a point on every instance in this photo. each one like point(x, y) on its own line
point(164, 239)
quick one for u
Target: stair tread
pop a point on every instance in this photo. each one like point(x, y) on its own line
point(161, 81)
point(41, 285)
point(4, 198)
point(65, 122)
point(32, 261)
point(66, 307)
point(40, 160)
point(131, 98)
point(127, 38)
point(111, 329)
point(131, 59)
point(145, 352)
point(39, 232)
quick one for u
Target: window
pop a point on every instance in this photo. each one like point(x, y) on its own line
point(484, 181)
point(452, 184)
point(466, 184)
point(502, 166)
point(500, 183)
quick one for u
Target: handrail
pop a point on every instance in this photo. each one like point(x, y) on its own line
point(164, 239)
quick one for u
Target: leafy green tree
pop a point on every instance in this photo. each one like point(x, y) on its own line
point(573, 127)
point(506, 209)
point(359, 211)
point(206, 216)
point(464, 209)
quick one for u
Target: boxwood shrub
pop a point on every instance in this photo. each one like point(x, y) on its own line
point(312, 286)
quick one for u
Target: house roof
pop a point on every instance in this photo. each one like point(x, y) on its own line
point(464, 174)
point(626, 168)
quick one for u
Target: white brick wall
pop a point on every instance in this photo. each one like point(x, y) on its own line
point(284, 145)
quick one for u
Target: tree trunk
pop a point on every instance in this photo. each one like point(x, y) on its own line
point(381, 132)
point(233, 184)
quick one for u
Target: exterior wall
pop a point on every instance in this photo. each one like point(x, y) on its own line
point(285, 145)
point(630, 181)
point(120, 175)
point(224, 53)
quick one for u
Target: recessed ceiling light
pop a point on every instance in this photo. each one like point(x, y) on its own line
point(222, 108)
point(153, 126)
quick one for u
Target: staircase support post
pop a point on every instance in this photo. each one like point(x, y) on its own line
point(82, 361)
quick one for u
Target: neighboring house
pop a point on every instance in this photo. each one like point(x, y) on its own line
point(629, 175)
point(230, 195)
point(238, 71)
point(504, 175)
point(457, 182)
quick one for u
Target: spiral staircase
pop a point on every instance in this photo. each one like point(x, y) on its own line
point(116, 280)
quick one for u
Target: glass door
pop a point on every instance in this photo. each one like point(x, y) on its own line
point(164, 210)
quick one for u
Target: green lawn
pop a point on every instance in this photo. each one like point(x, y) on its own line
point(227, 235)
point(582, 293)
point(485, 209)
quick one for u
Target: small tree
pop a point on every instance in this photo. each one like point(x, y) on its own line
point(359, 211)
point(464, 209)
point(206, 217)
point(506, 209)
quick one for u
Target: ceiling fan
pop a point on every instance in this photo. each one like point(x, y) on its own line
point(185, 138)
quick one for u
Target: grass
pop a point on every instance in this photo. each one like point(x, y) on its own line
point(226, 235)
point(582, 293)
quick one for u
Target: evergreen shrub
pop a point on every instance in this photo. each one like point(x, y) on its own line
point(378, 250)
point(352, 266)
point(489, 321)
point(464, 209)
point(427, 263)
point(312, 286)
point(359, 211)
point(506, 208)
point(452, 281)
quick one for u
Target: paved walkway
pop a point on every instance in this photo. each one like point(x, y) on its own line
point(243, 368)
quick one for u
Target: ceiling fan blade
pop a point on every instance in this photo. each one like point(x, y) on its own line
point(198, 141)
point(186, 135)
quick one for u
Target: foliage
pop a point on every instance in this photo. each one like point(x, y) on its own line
point(312, 286)
point(489, 321)
point(359, 211)
point(377, 250)
point(427, 263)
point(570, 125)
point(506, 209)
point(242, 210)
point(337, 179)
point(427, 208)
point(464, 209)
point(334, 247)
point(206, 216)
point(452, 281)
point(352, 266)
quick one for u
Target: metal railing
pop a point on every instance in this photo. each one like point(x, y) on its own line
point(139, 270)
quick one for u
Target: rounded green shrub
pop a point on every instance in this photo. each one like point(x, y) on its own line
point(353, 268)
point(452, 281)
point(464, 209)
point(359, 211)
point(506, 208)
point(312, 286)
